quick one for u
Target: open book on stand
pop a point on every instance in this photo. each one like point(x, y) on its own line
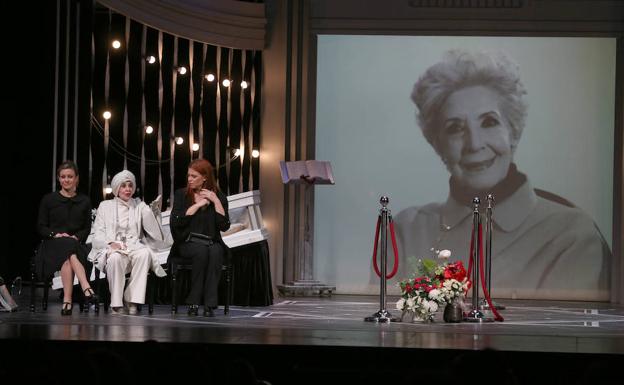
point(307, 171)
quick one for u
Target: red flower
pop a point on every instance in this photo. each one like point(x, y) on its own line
point(455, 271)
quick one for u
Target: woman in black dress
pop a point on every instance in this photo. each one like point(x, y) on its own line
point(199, 214)
point(64, 224)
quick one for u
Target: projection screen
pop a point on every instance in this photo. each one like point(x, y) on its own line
point(366, 125)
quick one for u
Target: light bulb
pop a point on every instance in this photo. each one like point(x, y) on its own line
point(179, 140)
point(182, 70)
point(195, 147)
point(108, 189)
point(116, 44)
point(210, 77)
point(226, 83)
point(255, 153)
point(106, 115)
point(151, 59)
point(149, 129)
point(244, 84)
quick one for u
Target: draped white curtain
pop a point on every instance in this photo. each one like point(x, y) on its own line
point(226, 23)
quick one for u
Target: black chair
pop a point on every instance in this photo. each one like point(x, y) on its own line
point(175, 265)
point(34, 284)
point(46, 283)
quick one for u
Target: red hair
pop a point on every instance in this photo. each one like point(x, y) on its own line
point(203, 167)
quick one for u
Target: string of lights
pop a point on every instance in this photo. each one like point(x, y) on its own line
point(132, 157)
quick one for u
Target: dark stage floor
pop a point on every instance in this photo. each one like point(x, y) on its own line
point(317, 337)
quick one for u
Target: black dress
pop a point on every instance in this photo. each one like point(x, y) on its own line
point(206, 260)
point(59, 214)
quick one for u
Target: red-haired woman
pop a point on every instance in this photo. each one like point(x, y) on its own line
point(199, 214)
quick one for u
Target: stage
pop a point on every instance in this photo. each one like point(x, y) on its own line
point(314, 339)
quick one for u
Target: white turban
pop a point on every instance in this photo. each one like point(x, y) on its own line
point(120, 178)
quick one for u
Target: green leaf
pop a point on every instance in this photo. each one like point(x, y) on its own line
point(428, 266)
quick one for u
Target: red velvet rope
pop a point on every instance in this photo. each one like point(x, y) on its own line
point(486, 294)
point(394, 247)
point(470, 261)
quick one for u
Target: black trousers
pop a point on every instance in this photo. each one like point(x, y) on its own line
point(207, 263)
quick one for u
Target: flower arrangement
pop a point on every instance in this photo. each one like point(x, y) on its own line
point(439, 283)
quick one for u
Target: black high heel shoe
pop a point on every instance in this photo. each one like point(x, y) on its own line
point(90, 296)
point(193, 310)
point(67, 308)
point(208, 312)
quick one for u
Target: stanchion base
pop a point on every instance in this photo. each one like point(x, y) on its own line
point(477, 316)
point(485, 306)
point(381, 316)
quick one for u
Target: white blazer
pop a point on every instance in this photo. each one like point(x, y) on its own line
point(148, 226)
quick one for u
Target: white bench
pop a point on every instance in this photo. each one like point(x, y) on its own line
point(246, 227)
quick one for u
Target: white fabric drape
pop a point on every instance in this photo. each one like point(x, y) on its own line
point(226, 23)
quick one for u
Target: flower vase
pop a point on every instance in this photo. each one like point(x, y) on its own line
point(407, 316)
point(453, 311)
point(413, 317)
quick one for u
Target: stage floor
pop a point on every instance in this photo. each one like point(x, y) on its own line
point(338, 321)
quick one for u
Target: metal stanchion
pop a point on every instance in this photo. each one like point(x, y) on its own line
point(383, 315)
point(488, 253)
point(475, 315)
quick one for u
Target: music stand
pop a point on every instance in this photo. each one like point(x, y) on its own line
point(306, 173)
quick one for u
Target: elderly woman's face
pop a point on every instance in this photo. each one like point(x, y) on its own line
point(474, 138)
point(125, 191)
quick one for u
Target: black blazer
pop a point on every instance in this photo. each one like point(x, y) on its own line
point(205, 221)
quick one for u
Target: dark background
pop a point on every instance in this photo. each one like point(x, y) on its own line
point(28, 102)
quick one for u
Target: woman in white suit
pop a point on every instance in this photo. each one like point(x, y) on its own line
point(124, 232)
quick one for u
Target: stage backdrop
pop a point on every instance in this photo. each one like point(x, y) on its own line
point(366, 126)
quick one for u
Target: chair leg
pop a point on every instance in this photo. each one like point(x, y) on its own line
point(228, 291)
point(96, 306)
point(33, 291)
point(150, 293)
point(174, 293)
point(100, 291)
point(46, 291)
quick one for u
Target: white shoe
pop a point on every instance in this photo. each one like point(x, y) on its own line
point(132, 309)
point(118, 311)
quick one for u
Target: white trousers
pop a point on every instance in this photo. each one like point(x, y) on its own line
point(137, 263)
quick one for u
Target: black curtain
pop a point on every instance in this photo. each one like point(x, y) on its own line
point(70, 74)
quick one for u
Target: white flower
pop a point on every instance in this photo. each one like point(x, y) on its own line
point(430, 306)
point(444, 254)
point(434, 294)
point(411, 303)
point(400, 304)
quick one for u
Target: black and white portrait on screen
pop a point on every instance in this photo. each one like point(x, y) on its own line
point(472, 109)
point(534, 127)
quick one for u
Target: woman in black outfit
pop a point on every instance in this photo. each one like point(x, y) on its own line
point(64, 224)
point(199, 214)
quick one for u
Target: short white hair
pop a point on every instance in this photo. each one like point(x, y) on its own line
point(460, 69)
